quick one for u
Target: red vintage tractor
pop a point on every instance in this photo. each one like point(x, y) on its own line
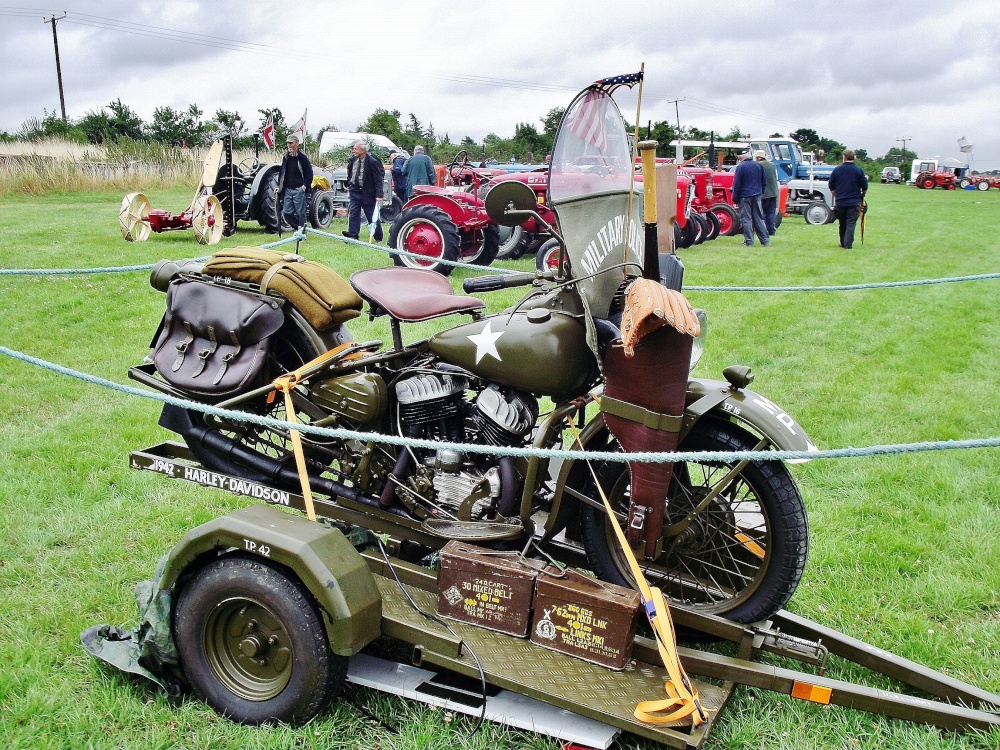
point(941, 178)
point(446, 223)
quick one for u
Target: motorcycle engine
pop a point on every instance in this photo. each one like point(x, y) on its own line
point(433, 406)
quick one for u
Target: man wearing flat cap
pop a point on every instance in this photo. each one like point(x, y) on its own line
point(769, 198)
point(294, 181)
point(748, 186)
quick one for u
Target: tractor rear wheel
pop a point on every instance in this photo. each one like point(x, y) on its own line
point(427, 232)
point(321, 209)
point(729, 219)
point(270, 208)
point(480, 246)
point(927, 183)
point(983, 185)
point(817, 213)
point(965, 182)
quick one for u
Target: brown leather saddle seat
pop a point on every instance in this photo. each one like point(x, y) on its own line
point(410, 294)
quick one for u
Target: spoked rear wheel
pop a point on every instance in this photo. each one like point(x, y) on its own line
point(741, 557)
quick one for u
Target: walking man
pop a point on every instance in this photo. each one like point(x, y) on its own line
point(748, 186)
point(397, 160)
point(419, 170)
point(769, 198)
point(848, 183)
point(294, 181)
point(365, 175)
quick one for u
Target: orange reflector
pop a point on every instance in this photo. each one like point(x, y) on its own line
point(814, 693)
point(750, 544)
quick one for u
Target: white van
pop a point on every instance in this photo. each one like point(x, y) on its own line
point(333, 140)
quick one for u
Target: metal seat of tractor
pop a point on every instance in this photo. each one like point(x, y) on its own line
point(411, 294)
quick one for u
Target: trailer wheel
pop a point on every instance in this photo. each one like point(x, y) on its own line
point(729, 219)
point(983, 185)
point(428, 232)
point(253, 646)
point(321, 209)
point(514, 242)
point(743, 555)
point(817, 213)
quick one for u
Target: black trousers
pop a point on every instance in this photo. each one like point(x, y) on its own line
point(848, 218)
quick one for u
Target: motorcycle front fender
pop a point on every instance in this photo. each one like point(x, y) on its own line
point(761, 415)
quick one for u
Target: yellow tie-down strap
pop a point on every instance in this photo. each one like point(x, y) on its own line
point(682, 699)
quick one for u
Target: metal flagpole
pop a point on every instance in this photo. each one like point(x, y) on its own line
point(631, 179)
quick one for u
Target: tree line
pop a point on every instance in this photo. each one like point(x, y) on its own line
point(190, 127)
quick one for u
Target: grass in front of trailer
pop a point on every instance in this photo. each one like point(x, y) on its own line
point(904, 548)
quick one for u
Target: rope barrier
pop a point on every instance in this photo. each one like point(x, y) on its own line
point(842, 287)
point(664, 457)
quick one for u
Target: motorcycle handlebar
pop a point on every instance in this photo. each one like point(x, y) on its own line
point(499, 281)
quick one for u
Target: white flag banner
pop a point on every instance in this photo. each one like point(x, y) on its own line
point(300, 127)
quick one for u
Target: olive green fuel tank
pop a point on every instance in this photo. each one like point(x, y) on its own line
point(539, 351)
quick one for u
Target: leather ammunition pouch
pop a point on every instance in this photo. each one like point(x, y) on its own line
point(324, 298)
point(214, 340)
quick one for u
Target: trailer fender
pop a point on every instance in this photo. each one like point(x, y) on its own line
point(324, 560)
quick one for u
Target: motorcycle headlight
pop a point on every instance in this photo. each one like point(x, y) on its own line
point(698, 345)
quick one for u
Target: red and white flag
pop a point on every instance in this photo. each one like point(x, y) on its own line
point(269, 132)
point(300, 127)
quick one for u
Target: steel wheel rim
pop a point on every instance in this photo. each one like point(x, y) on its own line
point(324, 213)
point(476, 246)
point(511, 241)
point(552, 259)
point(816, 215)
point(712, 534)
point(248, 649)
point(725, 222)
point(423, 238)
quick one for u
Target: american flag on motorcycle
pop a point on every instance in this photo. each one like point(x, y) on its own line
point(587, 122)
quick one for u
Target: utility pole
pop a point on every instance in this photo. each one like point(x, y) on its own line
point(55, 42)
point(677, 111)
point(904, 140)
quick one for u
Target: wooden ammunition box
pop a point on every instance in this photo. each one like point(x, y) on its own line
point(485, 588)
point(586, 618)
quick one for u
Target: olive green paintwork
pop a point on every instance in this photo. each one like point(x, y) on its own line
point(540, 351)
point(325, 562)
point(361, 397)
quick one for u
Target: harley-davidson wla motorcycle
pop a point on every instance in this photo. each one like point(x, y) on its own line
point(725, 537)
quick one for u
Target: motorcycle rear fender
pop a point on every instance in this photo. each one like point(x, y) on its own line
point(320, 556)
point(716, 398)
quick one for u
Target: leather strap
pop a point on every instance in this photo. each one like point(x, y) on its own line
point(277, 267)
point(206, 353)
point(182, 347)
point(237, 348)
point(635, 413)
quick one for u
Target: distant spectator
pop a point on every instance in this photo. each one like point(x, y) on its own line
point(769, 198)
point(397, 160)
point(419, 170)
point(748, 186)
point(294, 181)
point(848, 183)
point(365, 175)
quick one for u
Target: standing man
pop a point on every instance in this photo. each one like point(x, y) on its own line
point(397, 160)
point(294, 180)
point(748, 186)
point(848, 183)
point(769, 198)
point(419, 170)
point(365, 175)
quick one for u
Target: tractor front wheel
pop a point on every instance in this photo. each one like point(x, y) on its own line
point(818, 213)
point(729, 219)
point(321, 209)
point(714, 227)
point(983, 185)
point(428, 233)
point(514, 242)
point(480, 246)
point(549, 256)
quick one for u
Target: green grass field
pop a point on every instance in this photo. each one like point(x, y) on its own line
point(904, 549)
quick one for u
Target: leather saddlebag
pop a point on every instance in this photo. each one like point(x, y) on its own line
point(214, 340)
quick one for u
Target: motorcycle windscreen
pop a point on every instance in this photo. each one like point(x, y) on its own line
point(592, 192)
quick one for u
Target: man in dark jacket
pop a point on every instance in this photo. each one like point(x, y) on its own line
point(398, 178)
point(769, 198)
point(365, 175)
point(748, 186)
point(848, 183)
point(294, 181)
point(419, 170)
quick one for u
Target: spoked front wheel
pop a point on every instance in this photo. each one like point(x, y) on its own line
point(741, 557)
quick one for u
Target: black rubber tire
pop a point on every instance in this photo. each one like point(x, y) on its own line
point(764, 494)
point(388, 214)
point(778, 216)
point(228, 608)
point(431, 219)
point(983, 185)
point(290, 349)
point(687, 234)
point(547, 257)
point(714, 227)
point(817, 213)
point(514, 242)
point(481, 247)
point(729, 219)
point(321, 209)
point(270, 210)
point(701, 228)
point(928, 183)
point(678, 235)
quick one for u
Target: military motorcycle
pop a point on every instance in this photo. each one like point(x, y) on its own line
point(727, 538)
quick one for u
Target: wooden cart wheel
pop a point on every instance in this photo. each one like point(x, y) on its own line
point(133, 217)
point(207, 220)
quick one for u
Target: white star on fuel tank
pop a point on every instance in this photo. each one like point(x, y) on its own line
point(486, 342)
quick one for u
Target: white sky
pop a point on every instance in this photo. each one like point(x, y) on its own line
point(864, 73)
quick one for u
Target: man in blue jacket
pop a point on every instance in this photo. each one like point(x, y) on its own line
point(398, 178)
point(294, 181)
point(365, 175)
point(848, 183)
point(748, 186)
